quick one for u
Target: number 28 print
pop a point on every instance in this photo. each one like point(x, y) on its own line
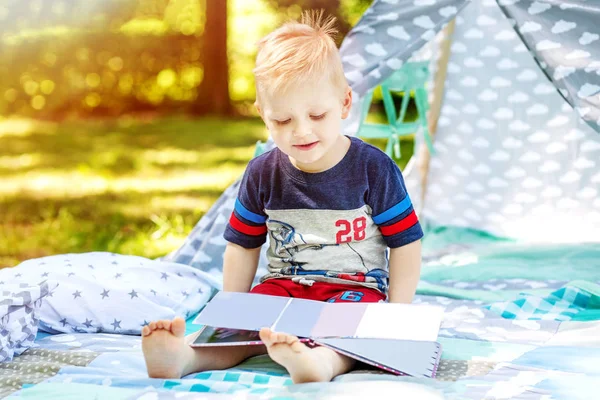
point(350, 230)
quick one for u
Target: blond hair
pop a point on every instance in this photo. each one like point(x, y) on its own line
point(299, 50)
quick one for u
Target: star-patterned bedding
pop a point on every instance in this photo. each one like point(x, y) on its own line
point(107, 292)
point(489, 350)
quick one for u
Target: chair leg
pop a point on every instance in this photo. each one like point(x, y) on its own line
point(422, 106)
point(404, 106)
point(366, 106)
point(388, 103)
point(389, 148)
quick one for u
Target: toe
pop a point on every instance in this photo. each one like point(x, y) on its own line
point(281, 337)
point(146, 331)
point(152, 325)
point(290, 339)
point(164, 324)
point(266, 336)
point(297, 346)
point(177, 327)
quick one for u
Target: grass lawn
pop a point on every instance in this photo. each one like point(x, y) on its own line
point(128, 186)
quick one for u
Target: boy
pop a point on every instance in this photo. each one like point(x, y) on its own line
point(331, 205)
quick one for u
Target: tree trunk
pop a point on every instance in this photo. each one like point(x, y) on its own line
point(214, 90)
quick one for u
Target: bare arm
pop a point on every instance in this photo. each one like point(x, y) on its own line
point(405, 271)
point(239, 268)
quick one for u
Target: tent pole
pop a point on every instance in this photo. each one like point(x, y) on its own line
point(436, 105)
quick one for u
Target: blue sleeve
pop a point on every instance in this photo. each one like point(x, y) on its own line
point(392, 208)
point(247, 223)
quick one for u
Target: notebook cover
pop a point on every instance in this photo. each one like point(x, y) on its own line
point(400, 357)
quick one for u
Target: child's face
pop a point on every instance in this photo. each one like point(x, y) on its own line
point(305, 122)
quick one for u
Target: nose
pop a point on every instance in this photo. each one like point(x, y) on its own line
point(301, 129)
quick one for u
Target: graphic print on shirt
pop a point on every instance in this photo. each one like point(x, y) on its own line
point(337, 247)
point(288, 243)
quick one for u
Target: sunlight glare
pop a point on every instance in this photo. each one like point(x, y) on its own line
point(50, 184)
point(22, 161)
point(25, 127)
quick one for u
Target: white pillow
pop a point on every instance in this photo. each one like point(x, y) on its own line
point(112, 293)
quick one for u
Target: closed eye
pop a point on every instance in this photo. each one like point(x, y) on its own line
point(287, 121)
point(318, 117)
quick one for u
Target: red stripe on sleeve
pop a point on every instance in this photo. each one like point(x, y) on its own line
point(402, 225)
point(245, 228)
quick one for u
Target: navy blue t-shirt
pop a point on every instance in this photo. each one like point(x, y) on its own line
point(329, 226)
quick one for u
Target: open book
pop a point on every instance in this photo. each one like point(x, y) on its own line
point(399, 338)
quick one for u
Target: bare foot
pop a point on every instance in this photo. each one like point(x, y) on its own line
point(302, 363)
point(165, 350)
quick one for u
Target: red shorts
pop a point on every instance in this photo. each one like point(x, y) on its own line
point(320, 291)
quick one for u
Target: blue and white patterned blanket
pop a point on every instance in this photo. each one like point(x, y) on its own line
point(563, 304)
point(538, 333)
point(515, 327)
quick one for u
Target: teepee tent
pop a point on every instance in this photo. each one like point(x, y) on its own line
point(514, 110)
point(513, 158)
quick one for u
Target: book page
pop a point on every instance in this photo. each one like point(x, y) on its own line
point(339, 320)
point(299, 317)
point(245, 311)
point(400, 321)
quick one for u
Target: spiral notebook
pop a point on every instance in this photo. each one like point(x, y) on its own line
point(397, 338)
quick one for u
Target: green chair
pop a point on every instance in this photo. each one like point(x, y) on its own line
point(411, 77)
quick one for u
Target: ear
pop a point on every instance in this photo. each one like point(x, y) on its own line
point(347, 103)
point(257, 106)
point(259, 110)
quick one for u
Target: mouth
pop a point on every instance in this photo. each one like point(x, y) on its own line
point(305, 147)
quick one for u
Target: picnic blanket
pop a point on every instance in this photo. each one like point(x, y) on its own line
point(521, 322)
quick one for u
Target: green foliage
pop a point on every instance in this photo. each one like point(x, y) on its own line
point(248, 22)
point(185, 16)
point(352, 10)
point(99, 73)
point(124, 185)
point(19, 16)
point(114, 57)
